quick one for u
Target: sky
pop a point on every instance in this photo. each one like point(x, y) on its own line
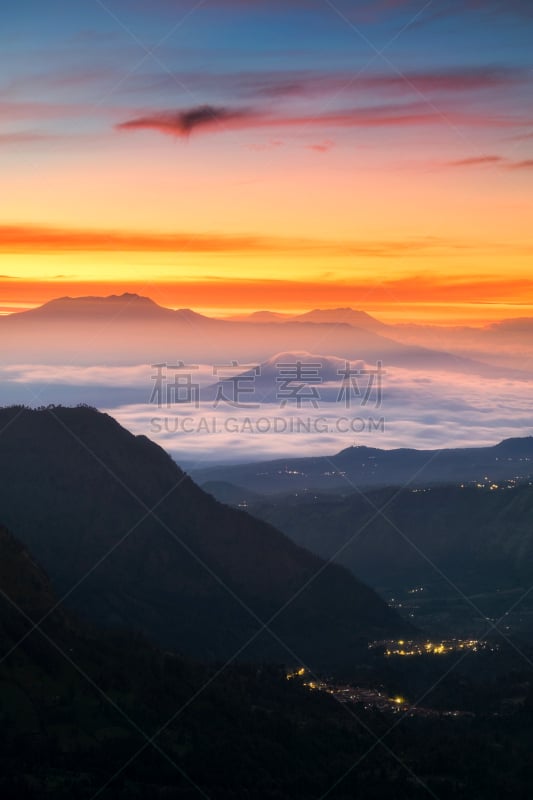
point(228, 155)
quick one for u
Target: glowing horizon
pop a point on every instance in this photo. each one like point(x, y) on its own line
point(365, 155)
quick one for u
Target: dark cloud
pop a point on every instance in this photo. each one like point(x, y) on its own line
point(183, 123)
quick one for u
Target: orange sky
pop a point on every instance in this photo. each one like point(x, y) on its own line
point(390, 173)
point(425, 301)
point(345, 232)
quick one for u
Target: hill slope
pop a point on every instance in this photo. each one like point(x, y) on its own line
point(78, 707)
point(87, 714)
point(476, 537)
point(137, 544)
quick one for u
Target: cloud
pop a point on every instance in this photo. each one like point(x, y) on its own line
point(183, 123)
point(321, 147)
point(362, 10)
point(461, 79)
point(26, 137)
point(516, 10)
point(419, 410)
point(138, 376)
point(273, 144)
point(32, 239)
point(75, 77)
point(15, 111)
point(527, 164)
point(28, 238)
point(475, 161)
point(306, 83)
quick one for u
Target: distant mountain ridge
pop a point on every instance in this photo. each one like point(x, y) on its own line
point(129, 329)
point(364, 467)
point(343, 316)
point(127, 304)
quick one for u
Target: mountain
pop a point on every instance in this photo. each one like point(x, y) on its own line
point(505, 344)
point(79, 708)
point(477, 539)
point(134, 543)
point(264, 383)
point(27, 586)
point(87, 713)
point(259, 316)
point(364, 467)
point(134, 330)
point(461, 530)
point(124, 307)
point(128, 305)
point(231, 495)
point(345, 316)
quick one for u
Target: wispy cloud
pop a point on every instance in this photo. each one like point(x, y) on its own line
point(371, 10)
point(456, 80)
point(491, 160)
point(16, 111)
point(475, 161)
point(290, 83)
point(29, 238)
point(26, 137)
point(183, 122)
point(526, 164)
point(320, 147)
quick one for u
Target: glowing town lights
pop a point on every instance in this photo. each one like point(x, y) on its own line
point(446, 646)
point(298, 673)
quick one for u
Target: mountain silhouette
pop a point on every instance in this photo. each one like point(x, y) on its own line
point(446, 537)
point(129, 329)
point(87, 712)
point(135, 544)
point(79, 707)
point(365, 467)
point(343, 316)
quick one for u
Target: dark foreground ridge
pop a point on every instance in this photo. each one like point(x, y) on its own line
point(137, 545)
point(89, 714)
